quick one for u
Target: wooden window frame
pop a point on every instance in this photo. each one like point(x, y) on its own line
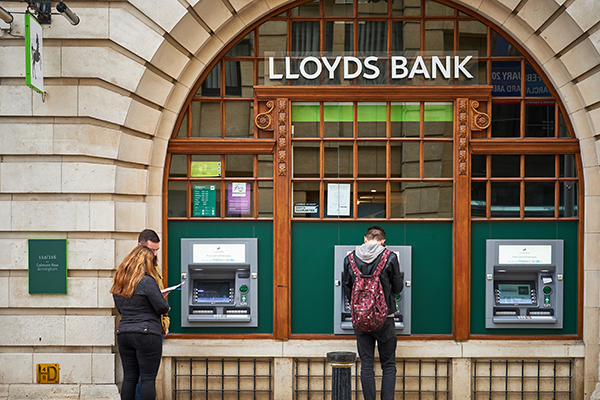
point(478, 143)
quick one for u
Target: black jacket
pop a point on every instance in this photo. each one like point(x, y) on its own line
point(391, 278)
point(141, 312)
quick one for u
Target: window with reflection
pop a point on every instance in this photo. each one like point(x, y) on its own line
point(395, 159)
point(375, 159)
point(527, 186)
point(220, 186)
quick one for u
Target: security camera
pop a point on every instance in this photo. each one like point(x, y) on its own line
point(67, 13)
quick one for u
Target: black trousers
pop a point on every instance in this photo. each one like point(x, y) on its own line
point(386, 344)
point(140, 357)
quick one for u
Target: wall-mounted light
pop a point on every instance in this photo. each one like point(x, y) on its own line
point(67, 13)
point(6, 16)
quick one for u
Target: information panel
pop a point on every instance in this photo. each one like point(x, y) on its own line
point(47, 266)
point(204, 201)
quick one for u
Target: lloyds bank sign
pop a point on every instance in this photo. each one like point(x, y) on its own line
point(396, 67)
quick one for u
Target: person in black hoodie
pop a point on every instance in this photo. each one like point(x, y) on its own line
point(140, 303)
point(367, 257)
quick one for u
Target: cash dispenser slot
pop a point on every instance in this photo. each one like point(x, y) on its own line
point(524, 284)
point(222, 282)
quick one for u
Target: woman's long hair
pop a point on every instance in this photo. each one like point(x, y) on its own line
point(136, 264)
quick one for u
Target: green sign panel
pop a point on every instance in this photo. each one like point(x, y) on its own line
point(47, 266)
point(34, 74)
point(204, 199)
point(205, 169)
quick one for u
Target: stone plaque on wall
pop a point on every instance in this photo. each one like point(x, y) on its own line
point(47, 266)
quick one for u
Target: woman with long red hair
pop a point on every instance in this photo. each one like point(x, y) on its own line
point(140, 302)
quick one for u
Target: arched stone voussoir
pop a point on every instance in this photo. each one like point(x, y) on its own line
point(170, 59)
point(130, 32)
point(142, 118)
point(165, 13)
point(190, 34)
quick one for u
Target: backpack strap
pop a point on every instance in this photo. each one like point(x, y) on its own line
point(353, 264)
point(382, 261)
point(380, 266)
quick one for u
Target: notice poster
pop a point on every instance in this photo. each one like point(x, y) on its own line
point(306, 208)
point(238, 198)
point(47, 266)
point(203, 169)
point(338, 199)
point(204, 200)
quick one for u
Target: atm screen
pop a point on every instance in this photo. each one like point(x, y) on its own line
point(211, 291)
point(514, 293)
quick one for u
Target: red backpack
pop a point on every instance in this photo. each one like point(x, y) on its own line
point(367, 306)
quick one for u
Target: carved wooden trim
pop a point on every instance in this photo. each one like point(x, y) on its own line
point(264, 120)
point(463, 157)
point(282, 137)
point(479, 120)
point(281, 220)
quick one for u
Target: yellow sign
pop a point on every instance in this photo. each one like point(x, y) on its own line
point(205, 169)
point(47, 373)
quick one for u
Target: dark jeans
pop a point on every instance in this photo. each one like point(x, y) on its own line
point(386, 343)
point(140, 356)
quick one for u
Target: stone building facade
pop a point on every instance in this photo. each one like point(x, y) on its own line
point(88, 165)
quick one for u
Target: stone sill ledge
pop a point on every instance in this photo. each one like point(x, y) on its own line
point(406, 349)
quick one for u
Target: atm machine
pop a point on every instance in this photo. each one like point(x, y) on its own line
point(342, 319)
point(221, 283)
point(524, 284)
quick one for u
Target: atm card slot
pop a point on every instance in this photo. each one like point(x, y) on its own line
point(346, 321)
point(237, 310)
point(540, 313)
point(506, 313)
point(524, 320)
point(219, 317)
point(348, 325)
point(203, 310)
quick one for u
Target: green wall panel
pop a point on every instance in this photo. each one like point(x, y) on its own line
point(481, 231)
point(312, 272)
point(263, 231)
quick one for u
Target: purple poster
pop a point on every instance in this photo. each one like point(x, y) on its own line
point(238, 198)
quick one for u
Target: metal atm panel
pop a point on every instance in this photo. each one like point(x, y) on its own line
point(524, 284)
point(222, 283)
point(342, 320)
